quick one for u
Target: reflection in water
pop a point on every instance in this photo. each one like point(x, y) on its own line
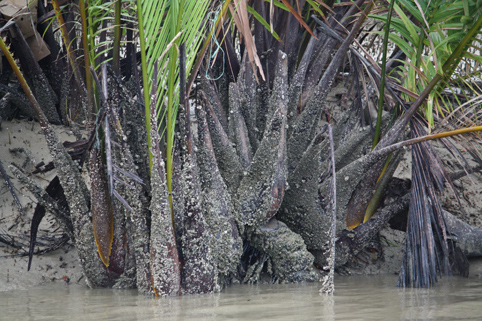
point(355, 298)
point(452, 299)
point(327, 304)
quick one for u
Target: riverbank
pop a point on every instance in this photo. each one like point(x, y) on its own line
point(22, 144)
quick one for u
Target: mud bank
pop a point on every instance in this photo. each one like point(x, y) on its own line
point(23, 145)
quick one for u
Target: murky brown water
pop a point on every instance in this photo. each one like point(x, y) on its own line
point(356, 298)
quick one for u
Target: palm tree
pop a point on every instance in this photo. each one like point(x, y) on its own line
point(177, 213)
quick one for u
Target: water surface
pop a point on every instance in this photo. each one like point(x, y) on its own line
point(355, 298)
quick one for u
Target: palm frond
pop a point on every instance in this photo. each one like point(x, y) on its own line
point(160, 22)
point(427, 247)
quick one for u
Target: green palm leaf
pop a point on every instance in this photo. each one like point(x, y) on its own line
point(160, 22)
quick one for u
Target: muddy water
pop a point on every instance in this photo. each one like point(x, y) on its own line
point(356, 298)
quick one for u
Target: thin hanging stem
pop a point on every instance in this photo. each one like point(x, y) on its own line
point(328, 282)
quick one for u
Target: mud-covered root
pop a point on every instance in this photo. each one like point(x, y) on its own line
point(467, 237)
point(211, 96)
point(78, 199)
point(102, 211)
point(199, 271)
point(238, 131)
point(302, 209)
point(229, 163)
point(225, 242)
point(291, 261)
point(350, 243)
point(249, 101)
point(165, 270)
point(262, 189)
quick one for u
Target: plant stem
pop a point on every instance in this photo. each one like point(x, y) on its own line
point(177, 8)
point(117, 37)
point(70, 52)
point(85, 44)
point(396, 146)
point(381, 96)
point(145, 80)
point(23, 82)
